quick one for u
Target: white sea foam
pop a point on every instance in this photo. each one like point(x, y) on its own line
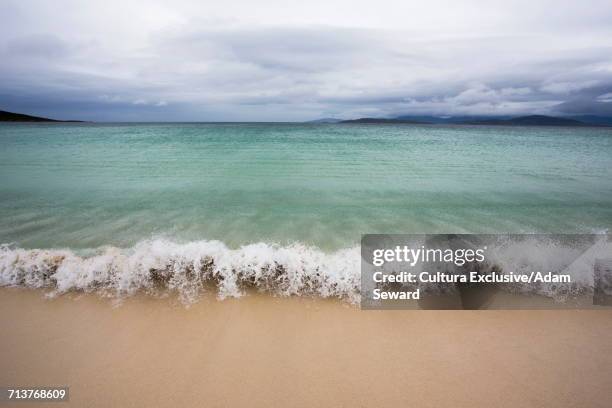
point(544, 254)
point(189, 269)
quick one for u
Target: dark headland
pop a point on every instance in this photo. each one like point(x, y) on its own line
point(20, 117)
point(530, 120)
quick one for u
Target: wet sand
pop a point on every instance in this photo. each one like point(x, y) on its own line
point(260, 351)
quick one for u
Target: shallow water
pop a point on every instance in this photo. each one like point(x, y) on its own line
point(88, 185)
point(119, 209)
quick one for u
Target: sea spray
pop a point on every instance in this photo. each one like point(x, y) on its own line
point(187, 269)
point(161, 266)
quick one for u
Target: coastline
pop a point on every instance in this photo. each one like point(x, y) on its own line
point(266, 351)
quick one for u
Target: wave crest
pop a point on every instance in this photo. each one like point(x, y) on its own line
point(188, 269)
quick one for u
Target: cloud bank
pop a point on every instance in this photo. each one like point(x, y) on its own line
point(278, 61)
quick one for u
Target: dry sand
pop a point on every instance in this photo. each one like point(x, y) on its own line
point(260, 351)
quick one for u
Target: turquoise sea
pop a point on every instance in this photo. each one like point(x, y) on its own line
point(86, 185)
point(85, 188)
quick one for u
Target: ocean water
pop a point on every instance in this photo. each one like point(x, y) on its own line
point(90, 205)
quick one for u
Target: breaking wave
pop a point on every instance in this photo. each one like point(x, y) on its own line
point(160, 267)
point(189, 269)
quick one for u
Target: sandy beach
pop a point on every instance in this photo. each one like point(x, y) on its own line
point(263, 351)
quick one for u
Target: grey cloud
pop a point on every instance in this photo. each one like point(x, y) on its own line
point(584, 107)
point(37, 45)
point(607, 97)
point(194, 71)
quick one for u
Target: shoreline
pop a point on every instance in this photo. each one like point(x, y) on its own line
point(266, 351)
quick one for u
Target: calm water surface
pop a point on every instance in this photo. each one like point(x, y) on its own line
point(89, 185)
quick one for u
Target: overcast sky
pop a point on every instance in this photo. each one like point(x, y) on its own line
point(300, 60)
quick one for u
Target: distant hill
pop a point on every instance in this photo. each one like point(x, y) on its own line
point(532, 120)
point(20, 117)
point(380, 121)
point(451, 120)
point(594, 119)
point(325, 120)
